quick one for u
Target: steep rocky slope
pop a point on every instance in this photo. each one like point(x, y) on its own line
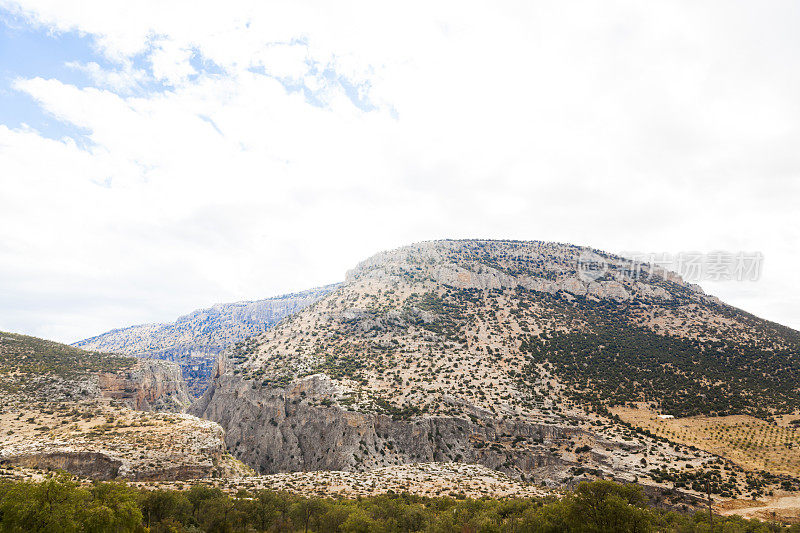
point(92, 414)
point(458, 351)
point(194, 340)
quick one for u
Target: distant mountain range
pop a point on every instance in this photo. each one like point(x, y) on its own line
point(194, 340)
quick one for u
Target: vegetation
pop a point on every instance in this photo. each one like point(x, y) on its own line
point(60, 504)
point(417, 337)
point(22, 356)
point(755, 444)
point(616, 362)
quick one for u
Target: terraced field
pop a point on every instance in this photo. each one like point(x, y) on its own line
point(752, 443)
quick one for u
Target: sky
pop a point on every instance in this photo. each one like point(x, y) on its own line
point(161, 156)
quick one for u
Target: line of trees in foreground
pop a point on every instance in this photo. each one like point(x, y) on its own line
point(59, 504)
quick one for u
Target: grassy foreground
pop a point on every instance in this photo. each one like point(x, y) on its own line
point(60, 504)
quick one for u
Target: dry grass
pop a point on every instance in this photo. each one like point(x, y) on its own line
point(749, 442)
point(422, 479)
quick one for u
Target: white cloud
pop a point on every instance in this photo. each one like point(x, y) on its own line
point(171, 62)
point(121, 80)
point(618, 125)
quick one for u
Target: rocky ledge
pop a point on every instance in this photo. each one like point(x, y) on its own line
point(101, 441)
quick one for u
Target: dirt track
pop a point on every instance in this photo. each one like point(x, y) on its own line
point(782, 508)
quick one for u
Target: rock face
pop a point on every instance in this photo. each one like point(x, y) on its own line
point(548, 268)
point(279, 430)
point(193, 341)
point(287, 430)
point(93, 465)
point(150, 385)
point(143, 447)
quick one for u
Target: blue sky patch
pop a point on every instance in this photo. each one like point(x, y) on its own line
point(46, 56)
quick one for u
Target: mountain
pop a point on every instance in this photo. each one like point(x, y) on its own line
point(194, 340)
point(502, 353)
point(544, 363)
point(95, 414)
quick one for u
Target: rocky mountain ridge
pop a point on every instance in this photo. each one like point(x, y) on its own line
point(194, 340)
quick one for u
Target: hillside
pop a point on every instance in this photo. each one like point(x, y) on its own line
point(194, 340)
point(502, 353)
point(41, 370)
point(95, 414)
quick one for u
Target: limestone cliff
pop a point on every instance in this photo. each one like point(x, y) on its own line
point(277, 430)
point(150, 385)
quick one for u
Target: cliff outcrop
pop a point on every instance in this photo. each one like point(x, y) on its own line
point(150, 385)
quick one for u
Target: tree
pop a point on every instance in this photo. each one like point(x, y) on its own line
point(605, 506)
point(305, 510)
point(50, 506)
point(358, 522)
point(162, 505)
point(113, 507)
point(262, 511)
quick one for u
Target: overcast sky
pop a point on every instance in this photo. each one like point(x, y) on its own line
point(157, 157)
